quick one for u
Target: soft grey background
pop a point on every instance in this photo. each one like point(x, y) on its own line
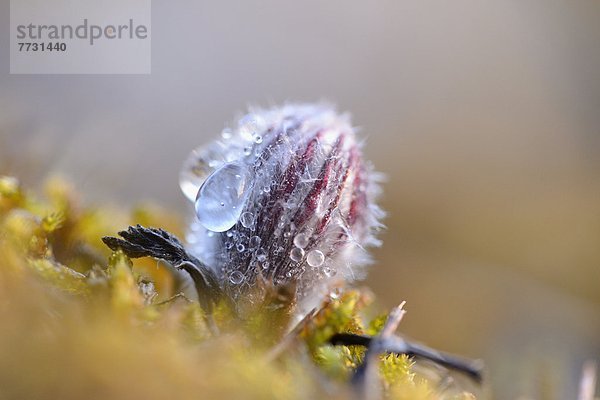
point(483, 114)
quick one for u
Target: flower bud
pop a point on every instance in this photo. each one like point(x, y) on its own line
point(284, 194)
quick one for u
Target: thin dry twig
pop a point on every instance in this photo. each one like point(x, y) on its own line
point(393, 320)
point(365, 379)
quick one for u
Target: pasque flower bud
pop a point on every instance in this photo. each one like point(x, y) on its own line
point(284, 194)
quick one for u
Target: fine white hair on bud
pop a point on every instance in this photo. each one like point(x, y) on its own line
point(284, 194)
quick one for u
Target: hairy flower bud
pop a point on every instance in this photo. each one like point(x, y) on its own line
point(286, 195)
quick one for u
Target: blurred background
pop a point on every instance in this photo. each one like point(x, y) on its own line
point(483, 115)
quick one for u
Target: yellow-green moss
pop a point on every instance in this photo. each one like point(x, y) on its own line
point(81, 322)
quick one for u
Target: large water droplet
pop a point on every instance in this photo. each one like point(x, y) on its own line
point(221, 198)
point(315, 258)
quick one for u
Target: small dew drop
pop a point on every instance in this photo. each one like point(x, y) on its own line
point(296, 254)
point(278, 250)
point(240, 247)
point(261, 255)
point(258, 139)
point(247, 219)
point(254, 242)
point(265, 265)
point(236, 277)
point(315, 258)
point(249, 125)
point(328, 272)
point(301, 240)
point(226, 134)
point(289, 274)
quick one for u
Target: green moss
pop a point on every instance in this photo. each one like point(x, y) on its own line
point(82, 322)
